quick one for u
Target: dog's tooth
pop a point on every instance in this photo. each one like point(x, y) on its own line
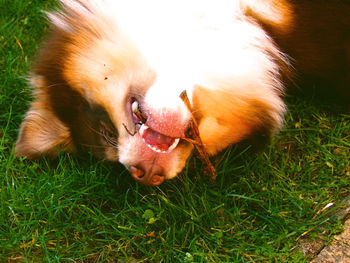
point(173, 146)
point(134, 106)
point(153, 148)
point(142, 129)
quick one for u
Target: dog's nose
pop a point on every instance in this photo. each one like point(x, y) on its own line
point(147, 175)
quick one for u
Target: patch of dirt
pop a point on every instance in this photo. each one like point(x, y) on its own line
point(338, 251)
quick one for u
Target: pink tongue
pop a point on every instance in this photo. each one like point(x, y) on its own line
point(155, 139)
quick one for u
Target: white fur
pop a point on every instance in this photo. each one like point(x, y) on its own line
point(207, 43)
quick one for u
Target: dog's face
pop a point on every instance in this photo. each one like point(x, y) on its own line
point(113, 87)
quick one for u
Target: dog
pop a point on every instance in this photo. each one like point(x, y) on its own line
point(109, 76)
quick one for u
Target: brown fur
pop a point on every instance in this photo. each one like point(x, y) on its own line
point(245, 117)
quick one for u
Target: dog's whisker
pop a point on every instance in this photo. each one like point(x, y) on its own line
point(91, 145)
point(102, 133)
point(93, 129)
point(56, 84)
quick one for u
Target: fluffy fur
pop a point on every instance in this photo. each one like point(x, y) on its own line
point(105, 61)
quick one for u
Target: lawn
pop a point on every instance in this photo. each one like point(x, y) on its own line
point(79, 209)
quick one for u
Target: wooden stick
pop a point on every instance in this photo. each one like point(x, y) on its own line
point(193, 137)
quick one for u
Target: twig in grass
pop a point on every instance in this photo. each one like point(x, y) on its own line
point(193, 137)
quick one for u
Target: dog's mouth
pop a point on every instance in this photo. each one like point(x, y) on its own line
point(154, 140)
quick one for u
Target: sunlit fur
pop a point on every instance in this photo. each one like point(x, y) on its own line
point(100, 53)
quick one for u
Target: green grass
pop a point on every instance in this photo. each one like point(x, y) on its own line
point(80, 209)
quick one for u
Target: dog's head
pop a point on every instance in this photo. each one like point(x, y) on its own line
point(109, 79)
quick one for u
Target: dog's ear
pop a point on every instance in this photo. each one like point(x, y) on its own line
point(42, 133)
